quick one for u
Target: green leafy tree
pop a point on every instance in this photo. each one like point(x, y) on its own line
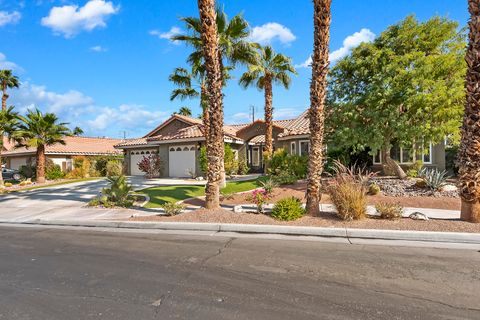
point(406, 87)
point(7, 81)
point(266, 69)
point(38, 130)
point(8, 124)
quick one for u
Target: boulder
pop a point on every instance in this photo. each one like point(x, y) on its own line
point(449, 188)
point(418, 216)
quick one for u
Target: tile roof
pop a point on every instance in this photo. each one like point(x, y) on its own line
point(298, 126)
point(75, 146)
point(195, 131)
point(132, 142)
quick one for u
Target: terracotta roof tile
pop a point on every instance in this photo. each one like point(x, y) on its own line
point(75, 146)
point(298, 126)
point(132, 142)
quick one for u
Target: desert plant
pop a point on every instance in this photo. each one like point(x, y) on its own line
point(259, 197)
point(288, 209)
point(243, 167)
point(152, 165)
point(268, 185)
point(81, 168)
point(281, 163)
point(373, 189)
point(390, 211)
point(230, 161)
point(172, 208)
point(8, 184)
point(434, 178)
point(116, 195)
point(347, 191)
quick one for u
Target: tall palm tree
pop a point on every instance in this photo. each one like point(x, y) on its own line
point(213, 68)
point(469, 156)
point(38, 130)
point(318, 93)
point(8, 125)
point(7, 81)
point(267, 68)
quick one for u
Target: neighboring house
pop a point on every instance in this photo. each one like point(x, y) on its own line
point(178, 141)
point(63, 154)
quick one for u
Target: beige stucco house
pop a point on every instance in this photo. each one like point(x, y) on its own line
point(62, 154)
point(178, 141)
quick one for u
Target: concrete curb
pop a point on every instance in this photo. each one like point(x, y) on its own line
point(348, 233)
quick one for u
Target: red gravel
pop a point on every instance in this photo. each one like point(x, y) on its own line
point(298, 190)
point(323, 220)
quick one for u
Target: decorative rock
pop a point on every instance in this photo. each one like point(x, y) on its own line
point(237, 209)
point(199, 178)
point(418, 216)
point(448, 188)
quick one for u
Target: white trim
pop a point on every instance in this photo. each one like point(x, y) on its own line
point(414, 156)
point(293, 148)
point(300, 147)
point(379, 157)
point(430, 149)
point(290, 137)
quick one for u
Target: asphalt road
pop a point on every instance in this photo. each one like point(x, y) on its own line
point(52, 274)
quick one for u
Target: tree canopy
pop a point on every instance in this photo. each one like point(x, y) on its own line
point(404, 87)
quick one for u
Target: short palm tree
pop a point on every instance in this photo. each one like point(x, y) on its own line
point(38, 130)
point(8, 125)
point(209, 43)
point(318, 93)
point(469, 155)
point(268, 68)
point(7, 81)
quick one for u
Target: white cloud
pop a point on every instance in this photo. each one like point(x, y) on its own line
point(126, 117)
point(271, 31)
point(9, 17)
point(240, 117)
point(350, 42)
point(5, 64)
point(98, 49)
point(71, 103)
point(167, 35)
point(69, 20)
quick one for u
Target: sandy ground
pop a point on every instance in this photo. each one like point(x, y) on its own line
point(323, 220)
point(298, 190)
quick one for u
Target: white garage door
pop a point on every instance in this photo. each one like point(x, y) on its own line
point(181, 161)
point(16, 163)
point(135, 157)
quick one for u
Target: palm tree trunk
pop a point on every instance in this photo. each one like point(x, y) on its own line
point(4, 99)
point(388, 162)
point(205, 110)
point(318, 92)
point(469, 155)
point(215, 147)
point(268, 117)
point(41, 164)
point(1, 173)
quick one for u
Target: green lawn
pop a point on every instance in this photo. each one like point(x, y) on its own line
point(160, 195)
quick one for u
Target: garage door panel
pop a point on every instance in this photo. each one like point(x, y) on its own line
point(135, 158)
point(181, 161)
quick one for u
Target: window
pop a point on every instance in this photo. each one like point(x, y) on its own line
point(304, 147)
point(407, 155)
point(256, 156)
point(293, 148)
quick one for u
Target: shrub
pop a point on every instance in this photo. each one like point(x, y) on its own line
point(81, 168)
point(347, 191)
point(258, 197)
point(243, 167)
point(172, 208)
point(373, 189)
point(434, 179)
point(53, 171)
point(113, 168)
point(288, 209)
point(28, 171)
point(414, 169)
point(117, 194)
point(23, 183)
point(8, 184)
point(268, 185)
point(284, 178)
point(231, 163)
point(390, 211)
point(152, 165)
point(283, 164)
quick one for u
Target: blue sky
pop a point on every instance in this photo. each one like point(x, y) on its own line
point(104, 65)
